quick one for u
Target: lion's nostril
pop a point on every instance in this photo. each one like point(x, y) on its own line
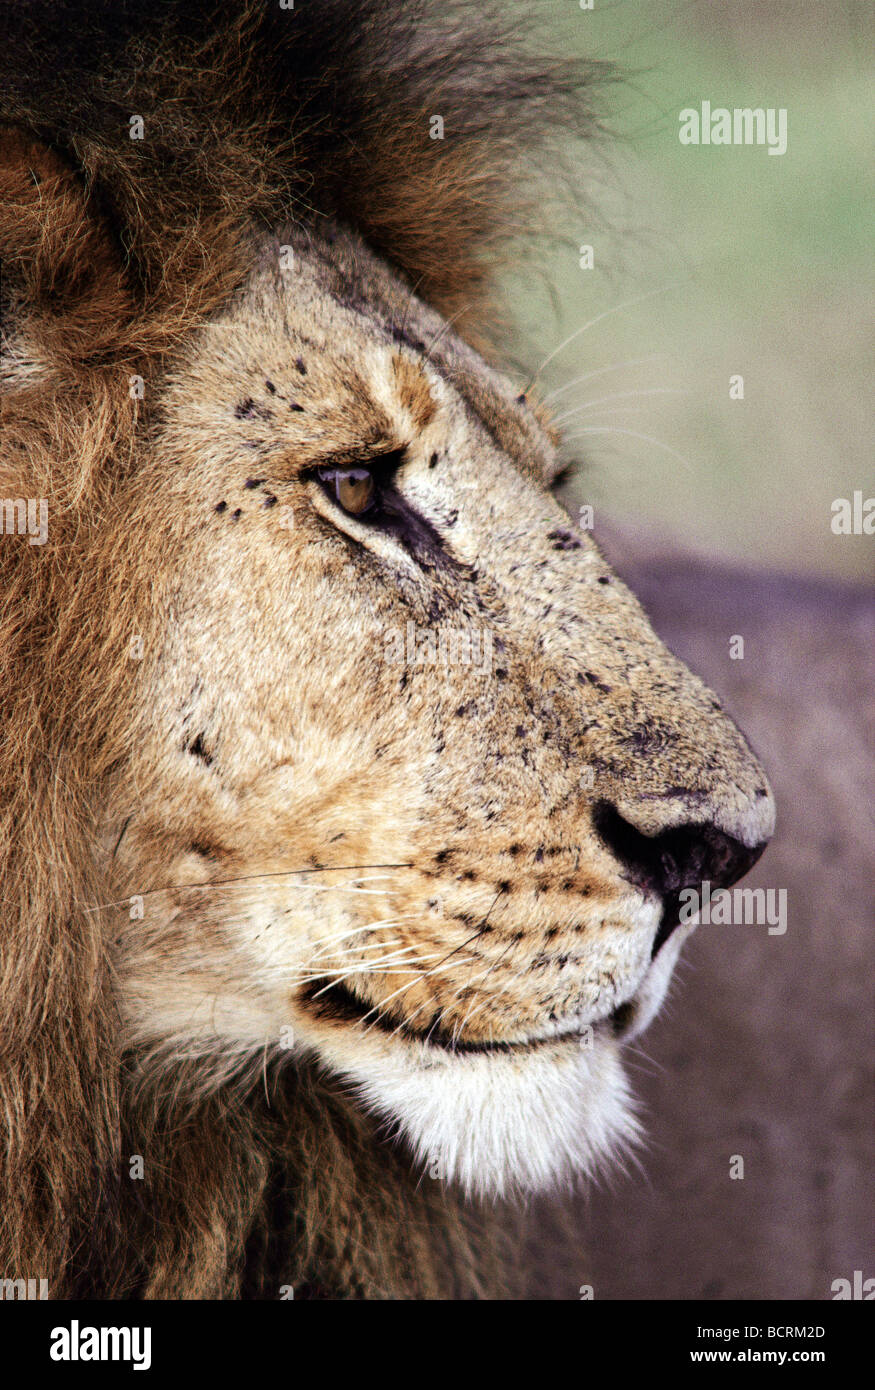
point(623, 1017)
point(683, 857)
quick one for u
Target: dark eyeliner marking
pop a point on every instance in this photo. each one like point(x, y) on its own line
point(393, 515)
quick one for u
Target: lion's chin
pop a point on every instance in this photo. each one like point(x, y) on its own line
point(498, 1123)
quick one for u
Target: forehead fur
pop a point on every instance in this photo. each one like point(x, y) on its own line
point(325, 354)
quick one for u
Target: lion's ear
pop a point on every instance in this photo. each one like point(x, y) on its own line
point(66, 316)
point(62, 294)
point(64, 301)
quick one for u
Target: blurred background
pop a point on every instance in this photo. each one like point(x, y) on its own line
point(710, 263)
point(751, 264)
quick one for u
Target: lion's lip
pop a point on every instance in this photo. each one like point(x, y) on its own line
point(330, 1001)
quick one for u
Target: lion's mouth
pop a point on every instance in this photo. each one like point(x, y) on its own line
point(329, 1001)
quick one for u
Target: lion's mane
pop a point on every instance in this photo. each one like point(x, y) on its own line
point(113, 250)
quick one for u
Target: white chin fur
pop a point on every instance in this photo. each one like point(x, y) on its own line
point(497, 1123)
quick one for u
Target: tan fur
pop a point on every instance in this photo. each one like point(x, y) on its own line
point(202, 718)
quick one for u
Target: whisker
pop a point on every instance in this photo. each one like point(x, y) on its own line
point(365, 926)
point(379, 1009)
point(355, 949)
point(326, 944)
point(619, 396)
point(314, 963)
point(627, 304)
point(246, 878)
point(602, 371)
point(614, 429)
point(451, 320)
point(410, 297)
point(366, 970)
point(483, 974)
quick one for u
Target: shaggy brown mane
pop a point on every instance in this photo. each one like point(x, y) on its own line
point(112, 250)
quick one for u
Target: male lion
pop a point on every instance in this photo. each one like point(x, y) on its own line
point(347, 796)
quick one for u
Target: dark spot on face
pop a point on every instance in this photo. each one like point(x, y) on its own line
point(469, 876)
point(501, 673)
point(299, 363)
point(253, 482)
point(515, 850)
point(197, 748)
point(221, 507)
point(432, 463)
point(551, 933)
point(442, 856)
point(251, 410)
point(204, 849)
point(269, 501)
point(236, 515)
point(521, 400)
point(269, 386)
point(605, 579)
point(539, 855)
point(503, 886)
point(293, 405)
point(564, 540)
point(520, 731)
point(643, 740)
point(402, 335)
point(599, 684)
point(567, 885)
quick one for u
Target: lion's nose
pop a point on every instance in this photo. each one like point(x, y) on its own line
point(682, 857)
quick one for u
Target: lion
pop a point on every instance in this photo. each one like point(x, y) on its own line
point(348, 796)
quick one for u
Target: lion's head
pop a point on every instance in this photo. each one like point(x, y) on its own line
point(355, 747)
point(415, 782)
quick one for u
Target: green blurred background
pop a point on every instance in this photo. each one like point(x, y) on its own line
point(761, 266)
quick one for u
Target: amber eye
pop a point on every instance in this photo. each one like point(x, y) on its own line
point(353, 488)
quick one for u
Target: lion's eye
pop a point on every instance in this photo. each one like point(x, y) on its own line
point(352, 488)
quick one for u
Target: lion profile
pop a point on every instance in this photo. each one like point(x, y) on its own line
point(307, 947)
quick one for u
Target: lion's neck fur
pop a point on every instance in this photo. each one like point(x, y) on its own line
point(299, 1197)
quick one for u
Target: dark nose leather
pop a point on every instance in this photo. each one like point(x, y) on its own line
point(666, 864)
